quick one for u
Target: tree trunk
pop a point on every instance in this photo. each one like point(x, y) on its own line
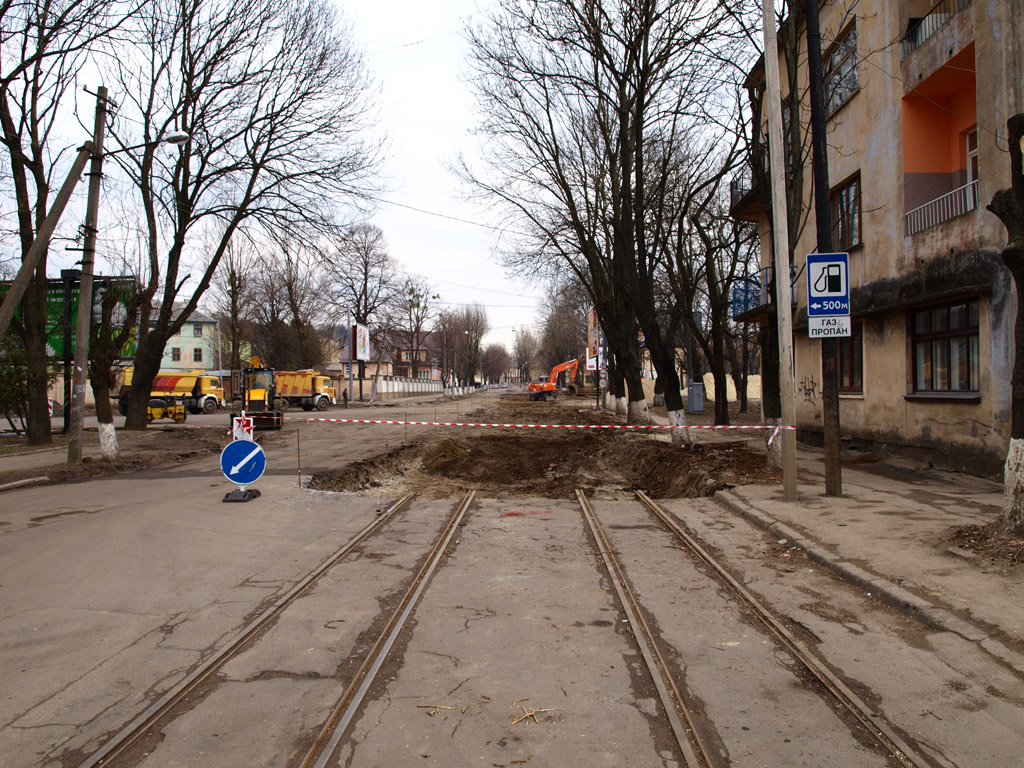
point(1008, 205)
point(36, 362)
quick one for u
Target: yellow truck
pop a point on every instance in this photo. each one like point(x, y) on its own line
point(307, 389)
point(197, 391)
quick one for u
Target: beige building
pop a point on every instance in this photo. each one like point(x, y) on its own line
point(917, 95)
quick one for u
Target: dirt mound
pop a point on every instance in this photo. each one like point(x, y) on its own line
point(551, 462)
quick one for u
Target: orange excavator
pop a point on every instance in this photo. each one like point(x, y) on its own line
point(547, 386)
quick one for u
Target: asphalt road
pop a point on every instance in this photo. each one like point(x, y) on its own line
point(113, 589)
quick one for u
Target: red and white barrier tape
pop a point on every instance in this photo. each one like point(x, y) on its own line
point(773, 427)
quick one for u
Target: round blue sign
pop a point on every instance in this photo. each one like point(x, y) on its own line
point(243, 462)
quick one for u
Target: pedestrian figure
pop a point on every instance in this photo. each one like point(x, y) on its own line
point(344, 398)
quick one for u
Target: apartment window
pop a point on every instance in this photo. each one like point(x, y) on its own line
point(946, 348)
point(176, 354)
point(197, 329)
point(846, 215)
point(840, 68)
point(851, 360)
point(197, 355)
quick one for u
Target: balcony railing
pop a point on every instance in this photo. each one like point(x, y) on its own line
point(920, 29)
point(950, 205)
point(745, 180)
point(753, 292)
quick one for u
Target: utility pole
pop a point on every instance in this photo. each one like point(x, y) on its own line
point(780, 228)
point(82, 330)
point(823, 222)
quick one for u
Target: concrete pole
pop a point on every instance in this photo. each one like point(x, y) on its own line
point(81, 365)
point(780, 228)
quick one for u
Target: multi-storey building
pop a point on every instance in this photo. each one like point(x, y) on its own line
point(194, 347)
point(917, 97)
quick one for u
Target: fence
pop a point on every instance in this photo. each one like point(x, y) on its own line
point(920, 29)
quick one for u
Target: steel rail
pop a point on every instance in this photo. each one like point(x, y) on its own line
point(144, 721)
point(671, 698)
point(872, 722)
point(333, 730)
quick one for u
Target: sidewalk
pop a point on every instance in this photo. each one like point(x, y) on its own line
point(889, 532)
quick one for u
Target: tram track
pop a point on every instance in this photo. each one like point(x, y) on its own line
point(149, 718)
point(690, 742)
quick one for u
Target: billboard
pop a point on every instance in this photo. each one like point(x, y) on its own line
point(593, 334)
point(360, 342)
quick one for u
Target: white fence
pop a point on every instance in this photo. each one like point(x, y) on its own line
point(391, 387)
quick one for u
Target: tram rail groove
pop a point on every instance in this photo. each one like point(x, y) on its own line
point(687, 735)
point(334, 729)
point(865, 715)
point(138, 727)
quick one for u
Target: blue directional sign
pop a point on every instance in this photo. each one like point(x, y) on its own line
point(243, 462)
point(828, 284)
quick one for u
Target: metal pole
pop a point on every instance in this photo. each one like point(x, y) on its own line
point(823, 222)
point(81, 366)
point(351, 349)
point(783, 289)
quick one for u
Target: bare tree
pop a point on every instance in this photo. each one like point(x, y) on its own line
point(43, 46)
point(472, 321)
point(525, 353)
point(234, 285)
point(494, 363)
point(584, 102)
point(274, 98)
point(413, 318)
point(362, 279)
point(1008, 205)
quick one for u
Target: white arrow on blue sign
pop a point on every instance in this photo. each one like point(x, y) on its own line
point(243, 462)
point(828, 284)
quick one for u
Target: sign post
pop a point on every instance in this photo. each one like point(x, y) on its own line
point(243, 463)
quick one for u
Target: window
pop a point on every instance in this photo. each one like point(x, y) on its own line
point(851, 360)
point(176, 354)
point(197, 355)
point(840, 68)
point(846, 215)
point(945, 345)
point(197, 329)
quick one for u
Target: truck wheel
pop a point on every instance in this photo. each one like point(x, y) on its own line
point(307, 406)
point(282, 404)
point(322, 403)
point(209, 406)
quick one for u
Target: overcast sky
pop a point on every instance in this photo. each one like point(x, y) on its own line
point(417, 53)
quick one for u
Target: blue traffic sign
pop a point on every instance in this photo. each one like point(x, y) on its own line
point(828, 284)
point(243, 462)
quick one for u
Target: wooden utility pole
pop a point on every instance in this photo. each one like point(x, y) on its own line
point(82, 330)
point(780, 228)
point(823, 221)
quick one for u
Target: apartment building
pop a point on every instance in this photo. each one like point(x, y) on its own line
point(194, 347)
point(917, 96)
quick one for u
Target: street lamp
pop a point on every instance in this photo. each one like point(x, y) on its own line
point(85, 285)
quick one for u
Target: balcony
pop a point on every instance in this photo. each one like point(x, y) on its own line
point(751, 297)
point(921, 28)
point(949, 206)
point(744, 202)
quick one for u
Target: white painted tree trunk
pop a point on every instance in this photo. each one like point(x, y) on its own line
point(775, 448)
point(620, 406)
point(680, 437)
point(638, 413)
point(659, 399)
point(1013, 486)
point(108, 442)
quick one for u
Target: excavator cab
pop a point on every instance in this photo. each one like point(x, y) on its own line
point(547, 386)
point(259, 396)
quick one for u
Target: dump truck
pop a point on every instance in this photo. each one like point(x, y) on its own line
point(196, 391)
point(547, 386)
point(306, 389)
point(257, 397)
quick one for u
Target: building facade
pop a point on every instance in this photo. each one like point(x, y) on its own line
point(194, 347)
point(917, 98)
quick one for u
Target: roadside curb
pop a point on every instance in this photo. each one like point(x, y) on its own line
point(20, 483)
point(885, 590)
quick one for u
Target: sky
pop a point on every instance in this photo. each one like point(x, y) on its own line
point(418, 56)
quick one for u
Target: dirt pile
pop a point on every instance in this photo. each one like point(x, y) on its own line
point(551, 463)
